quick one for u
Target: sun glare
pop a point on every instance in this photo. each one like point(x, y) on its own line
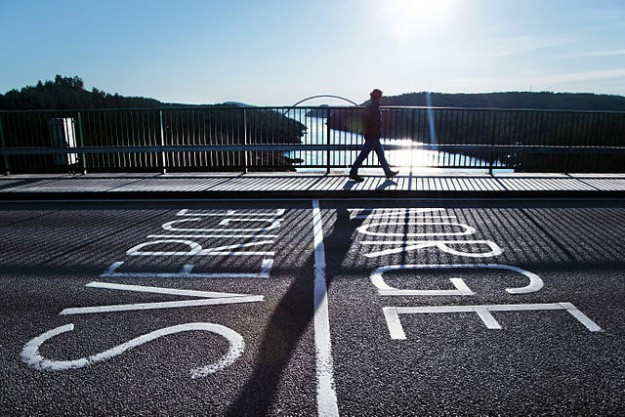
point(412, 16)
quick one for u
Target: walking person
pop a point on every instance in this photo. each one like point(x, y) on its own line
point(373, 126)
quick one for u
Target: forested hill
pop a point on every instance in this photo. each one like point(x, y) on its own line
point(512, 100)
point(68, 93)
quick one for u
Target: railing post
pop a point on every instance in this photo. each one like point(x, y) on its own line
point(83, 156)
point(5, 157)
point(163, 159)
point(492, 150)
point(413, 126)
point(328, 140)
point(244, 141)
point(570, 146)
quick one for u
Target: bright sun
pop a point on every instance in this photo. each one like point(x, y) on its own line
point(412, 16)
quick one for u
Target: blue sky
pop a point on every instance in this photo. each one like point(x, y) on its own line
point(276, 52)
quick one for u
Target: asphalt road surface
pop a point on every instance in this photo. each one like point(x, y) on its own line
point(313, 308)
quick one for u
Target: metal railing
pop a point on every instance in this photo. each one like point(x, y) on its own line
point(209, 138)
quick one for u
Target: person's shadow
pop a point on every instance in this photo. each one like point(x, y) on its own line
point(284, 329)
point(386, 184)
point(389, 182)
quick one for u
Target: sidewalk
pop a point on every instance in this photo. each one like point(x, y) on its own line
point(309, 185)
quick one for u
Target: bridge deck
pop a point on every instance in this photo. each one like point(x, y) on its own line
point(309, 185)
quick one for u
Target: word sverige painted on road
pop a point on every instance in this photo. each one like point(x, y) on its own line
point(181, 241)
point(424, 218)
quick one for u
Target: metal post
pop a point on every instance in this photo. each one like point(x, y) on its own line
point(244, 141)
point(413, 123)
point(163, 159)
point(328, 140)
point(570, 146)
point(7, 171)
point(490, 156)
point(82, 144)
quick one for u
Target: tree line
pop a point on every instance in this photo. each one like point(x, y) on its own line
point(571, 122)
point(68, 93)
point(120, 126)
point(511, 100)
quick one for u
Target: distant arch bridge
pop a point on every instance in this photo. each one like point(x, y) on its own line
point(320, 96)
point(324, 96)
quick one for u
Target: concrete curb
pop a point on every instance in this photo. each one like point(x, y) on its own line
point(251, 195)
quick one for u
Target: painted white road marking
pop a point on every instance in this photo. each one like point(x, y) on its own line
point(208, 298)
point(483, 311)
point(356, 213)
point(229, 213)
point(443, 245)
point(211, 236)
point(535, 282)
point(265, 272)
point(161, 290)
point(162, 305)
point(195, 249)
point(273, 224)
point(327, 404)
point(30, 353)
point(31, 356)
point(364, 229)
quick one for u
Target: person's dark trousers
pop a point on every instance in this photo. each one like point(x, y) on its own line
point(371, 143)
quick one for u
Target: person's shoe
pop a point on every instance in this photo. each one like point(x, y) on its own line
point(391, 174)
point(356, 177)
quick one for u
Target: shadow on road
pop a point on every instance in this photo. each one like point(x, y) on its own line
point(286, 326)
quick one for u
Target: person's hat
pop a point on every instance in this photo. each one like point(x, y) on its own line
point(376, 93)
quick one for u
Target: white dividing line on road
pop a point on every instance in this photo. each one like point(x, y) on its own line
point(327, 404)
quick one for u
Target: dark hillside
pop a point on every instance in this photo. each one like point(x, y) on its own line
point(68, 93)
point(138, 121)
point(512, 100)
point(511, 119)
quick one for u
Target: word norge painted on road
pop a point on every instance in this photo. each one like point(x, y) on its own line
point(180, 240)
point(383, 220)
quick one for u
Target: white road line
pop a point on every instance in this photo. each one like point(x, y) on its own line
point(265, 272)
point(160, 290)
point(484, 312)
point(326, 395)
point(377, 278)
point(231, 213)
point(158, 306)
point(214, 236)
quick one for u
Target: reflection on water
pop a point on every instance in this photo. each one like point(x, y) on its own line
point(410, 156)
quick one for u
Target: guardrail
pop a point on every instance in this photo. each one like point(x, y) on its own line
point(210, 138)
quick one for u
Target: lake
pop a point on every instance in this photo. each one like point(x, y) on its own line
point(409, 157)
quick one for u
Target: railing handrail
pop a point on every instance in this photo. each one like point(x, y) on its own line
point(279, 108)
point(316, 147)
point(199, 107)
point(510, 109)
point(209, 137)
